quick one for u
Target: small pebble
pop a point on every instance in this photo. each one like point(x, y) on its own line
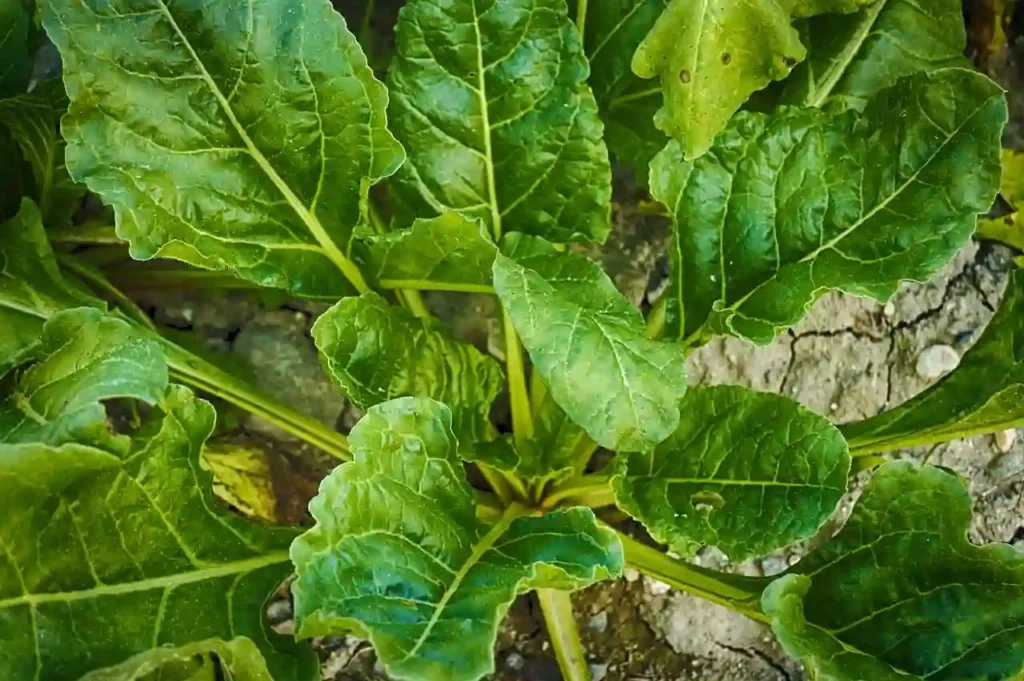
point(1004, 439)
point(598, 671)
point(599, 622)
point(833, 406)
point(936, 361)
point(631, 575)
point(889, 310)
point(657, 587)
point(515, 661)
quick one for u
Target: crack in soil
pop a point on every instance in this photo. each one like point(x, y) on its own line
point(756, 654)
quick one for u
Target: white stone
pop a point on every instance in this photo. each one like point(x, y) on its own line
point(936, 361)
point(1004, 439)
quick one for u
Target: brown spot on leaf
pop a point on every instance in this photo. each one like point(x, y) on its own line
point(790, 62)
point(726, 57)
point(684, 76)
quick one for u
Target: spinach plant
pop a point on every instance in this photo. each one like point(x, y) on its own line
point(251, 142)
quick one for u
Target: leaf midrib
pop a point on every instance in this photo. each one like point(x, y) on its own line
point(481, 93)
point(837, 71)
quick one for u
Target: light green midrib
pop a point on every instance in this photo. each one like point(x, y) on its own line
point(431, 285)
point(845, 58)
point(481, 93)
point(730, 483)
point(165, 582)
point(331, 250)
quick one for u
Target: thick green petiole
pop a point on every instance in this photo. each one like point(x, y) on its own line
point(563, 633)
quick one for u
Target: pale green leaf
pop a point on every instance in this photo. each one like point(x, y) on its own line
point(237, 660)
point(15, 46)
point(236, 136)
point(85, 358)
point(446, 253)
point(1008, 229)
point(551, 454)
point(588, 343)
point(745, 471)
point(490, 99)
point(398, 556)
point(106, 557)
point(791, 205)
point(711, 56)
point(377, 352)
point(901, 593)
point(984, 394)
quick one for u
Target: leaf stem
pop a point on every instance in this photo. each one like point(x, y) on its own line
point(100, 283)
point(656, 320)
point(522, 414)
point(563, 633)
point(90, 233)
point(364, 29)
point(581, 19)
point(594, 491)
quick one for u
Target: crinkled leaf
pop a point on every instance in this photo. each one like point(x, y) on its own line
point(446, 253)
point(901, 593)
point(15, 46)
point(33, 120)
point(233, 135)
point(108, 557)
point(85, 358)
point(1008, 229)
point(791, 205)
point(377, 352)
point(398, 556)
point(711, 56)
point(238, 660)
point(745, 471)
point(849, 59)
point(589, 345)
point(490, 100)
point(32, 288)
point(985, 393)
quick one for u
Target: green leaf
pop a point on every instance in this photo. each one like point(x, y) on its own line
point(398, 556)
point(33, 119)
point(1008, 229)
point(588, 344)
point(490, 98)
point(238, 660)
point(551, 454)
point(85, 358)
point(446, 253)
point(376, 352)
point(235, 136)
point(745, 471)
point(711, 56)
point(849, 59)
point(32, 288)
point(984, 394)
point(15, 46)
point(794, 204)
point(901, 593)
point(107, 557)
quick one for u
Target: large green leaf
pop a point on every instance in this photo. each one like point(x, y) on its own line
point(237, 660)
point(849, 59)
point(589, 345)
point(107, 557)
point(901, 593)
point(710, 57)
point(398, 556)
point(794, 204)
point(86, 357)
point(745, 471)
point(985, 393)
point(233, 135)
point(490, 98)
point(377, 352)
point(15, 46)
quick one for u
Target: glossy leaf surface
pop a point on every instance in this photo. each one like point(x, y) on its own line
point(236, 660)
point(398, 555)
point(490, 100)
point(236, 136)
point(803, 201)
point(745, 471)
point(901, 593)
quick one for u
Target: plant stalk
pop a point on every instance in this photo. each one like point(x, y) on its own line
point(593, 491)
point(522, 415)
point(563, 633)
point(656, 320)
point(581, 19)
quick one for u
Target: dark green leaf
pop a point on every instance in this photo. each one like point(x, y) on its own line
point(901, 593)
point(985, 393)
point(745, 471)
point(15, 46)
point(376, 352)
point(588, 343)
point(710, 57)
point(399, 557)
point(232, 135)
point(794, 204)
point(490, 98)
point(237, 660)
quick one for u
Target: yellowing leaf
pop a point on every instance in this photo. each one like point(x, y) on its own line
point(242, 478)
point(1009, 228)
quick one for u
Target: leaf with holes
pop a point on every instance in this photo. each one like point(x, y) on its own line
point(399, 557)
point(790, 205)
point(233, 135)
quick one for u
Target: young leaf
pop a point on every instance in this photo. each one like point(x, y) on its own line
point(710, 57)
point(398, 556)
point(1008, 229)
point(237, 660)
point(745, 471)
point(15, 42)
point(588, 343)
point(984, 394)
point(376, 352)
point(849, 59)
point(901, 593)
point(108, 557)
point(556, 439)
point(446, 253)
point(490, 98)
point(232, 135)
point(85, 357)
point(794, 204)
point(33, 120)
